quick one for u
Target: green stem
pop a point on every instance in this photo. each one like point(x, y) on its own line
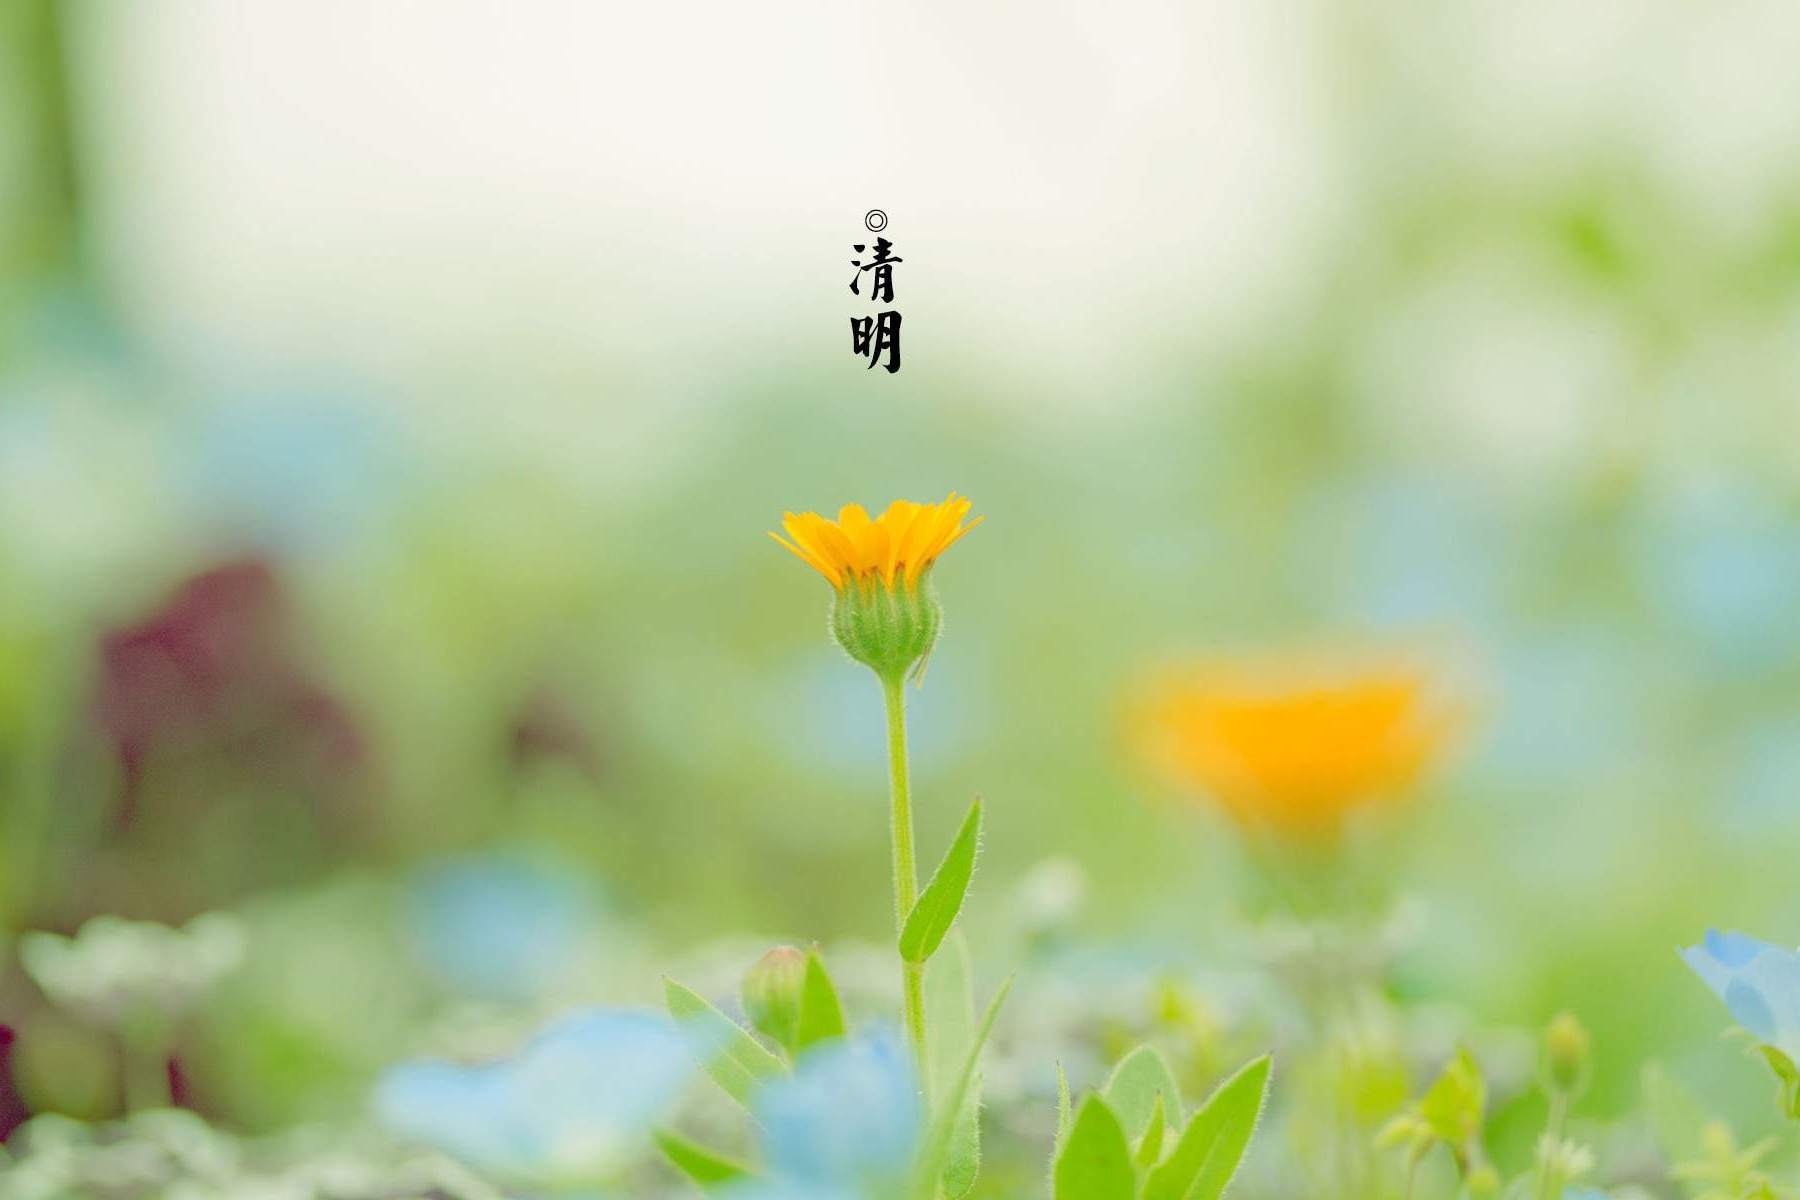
point(906, 878)
point(1549, 1181)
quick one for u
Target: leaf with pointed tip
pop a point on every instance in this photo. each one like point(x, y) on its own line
point(1454, 1104)
point(1065, 1116)
point(1149, 1151)
point(942, 898)
point(736, 1061)
point(950, 1015)
point(821, 1012)
point(1095, 1164)
point(705, 1167)
point(1137, 1082)
point(935, 1150)
point(949, 1009)
point(962, 1158)
point(1213, 1144)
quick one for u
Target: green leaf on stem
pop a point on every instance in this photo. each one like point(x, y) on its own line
point(937, 906)
point(962, 1157)
point(1141, 1079)
point(1095, 1164)
point(705, 1167)
point(1454, 1104)
point(736, 1061)
point(935, 1151)
point(1065, 1115)
point(1213, 1144)
point(950, 1015)
point(821, 1012)
point(1149, 1151)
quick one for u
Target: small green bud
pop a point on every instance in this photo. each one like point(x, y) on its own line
point(1568, 1053)
point(889, 628)
point(771, 992)
point(1484, 1181)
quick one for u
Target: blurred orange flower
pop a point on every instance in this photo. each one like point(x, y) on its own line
point(1294, 743)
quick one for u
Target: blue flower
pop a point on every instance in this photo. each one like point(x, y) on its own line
point(1723, 562)
point(574, 1104)
point(499, 928)
point(787, 1189)
point(1759, 983)
point(298, 465)
point(846, 1124)
point(1407, 550)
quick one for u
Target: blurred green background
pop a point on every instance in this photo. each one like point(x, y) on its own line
point(393, 400)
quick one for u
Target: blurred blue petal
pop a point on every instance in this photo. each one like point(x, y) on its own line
point(499, 928)
point(1407, 550)
point(1566, 706)
point(575, 1103)
point(292, 467)
point(1764, 783)
point(1759, 983)
point(1723, 563)
point(1734, 950)
point(786, 1189)
point(460, 1109)
point(848, 1118)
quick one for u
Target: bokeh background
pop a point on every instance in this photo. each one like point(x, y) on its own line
point(393, 399)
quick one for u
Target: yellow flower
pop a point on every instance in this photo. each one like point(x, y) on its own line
point(896, 548)
point(886, 614)
point(1297, 744)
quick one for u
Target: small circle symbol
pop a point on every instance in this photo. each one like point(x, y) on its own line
point(875, 220)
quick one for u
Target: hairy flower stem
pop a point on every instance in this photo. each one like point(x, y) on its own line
point(906, 879)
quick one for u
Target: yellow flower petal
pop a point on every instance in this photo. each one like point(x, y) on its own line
point(894, 549)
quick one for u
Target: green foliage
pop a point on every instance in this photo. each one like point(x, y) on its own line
point(1150, 1145)
point(1568, 1056)
point(950, 1013)
point(1141, 1084)
point(1450, 1113)
point(1064, 1114)
point(949, 1008)
point(1207, 1154)
point(821, 1016)
point(934, 1155)
point(1454, 1105)
point(736, 1061)
point(1095, 1163)
point(771, 995)
point(942, 899)
point(1789, 1077)
point(1723, 1170)
point(962, 1156)
point(705, 1167)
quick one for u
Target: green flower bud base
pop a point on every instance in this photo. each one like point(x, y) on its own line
point(889, 631)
